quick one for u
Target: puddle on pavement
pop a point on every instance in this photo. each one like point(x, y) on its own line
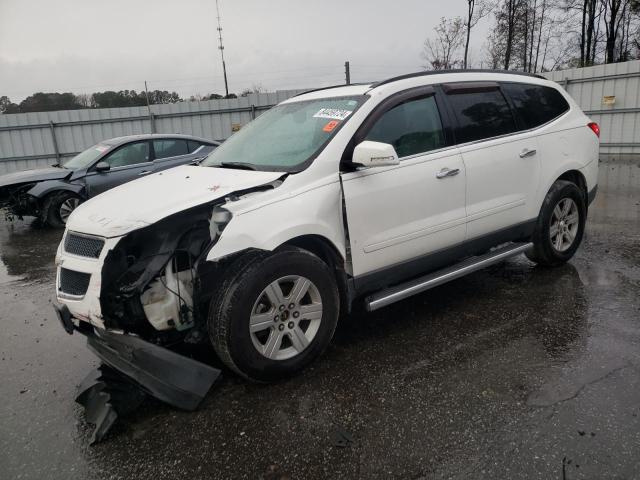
point(618, 196)
point(27, 251)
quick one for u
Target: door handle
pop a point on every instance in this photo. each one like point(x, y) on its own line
point(446, 172)
point(527, 153)
point(145, 172)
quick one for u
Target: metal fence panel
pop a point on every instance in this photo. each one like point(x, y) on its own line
point(619, 121)
point(31, 140)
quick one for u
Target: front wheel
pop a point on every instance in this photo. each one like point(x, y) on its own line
point(58, 207)
point(560, 225)
point(274, 314)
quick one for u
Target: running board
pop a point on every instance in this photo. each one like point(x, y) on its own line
point(407, 289)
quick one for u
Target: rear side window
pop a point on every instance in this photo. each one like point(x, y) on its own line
point(481, 114)
point(535, 105)
point(170, 148)
point(412, 127)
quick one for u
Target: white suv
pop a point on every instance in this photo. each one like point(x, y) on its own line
point(367, 193)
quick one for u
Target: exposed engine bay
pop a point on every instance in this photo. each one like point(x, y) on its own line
point(156, 282)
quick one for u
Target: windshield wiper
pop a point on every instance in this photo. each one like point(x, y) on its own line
point(238, 165)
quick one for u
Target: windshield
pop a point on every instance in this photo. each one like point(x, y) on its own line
point(285, 137)
point(86, 158)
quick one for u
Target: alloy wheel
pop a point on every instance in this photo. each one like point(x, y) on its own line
point(286, 317)
point(68, 206)
point(565, 221)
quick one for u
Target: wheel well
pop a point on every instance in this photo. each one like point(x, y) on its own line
point(577, 177)
point(327, 252)
point(319, 246)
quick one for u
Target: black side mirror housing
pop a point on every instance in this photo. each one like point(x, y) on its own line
point(102, 167)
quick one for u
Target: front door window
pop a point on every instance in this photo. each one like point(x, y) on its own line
point(130, 154)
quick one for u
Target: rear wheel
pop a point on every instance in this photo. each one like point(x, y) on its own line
point(58, 207)
point(274, 314)
point(560, 225)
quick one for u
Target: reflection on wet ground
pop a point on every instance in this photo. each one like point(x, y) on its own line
point(27, 251)
point(512, 372)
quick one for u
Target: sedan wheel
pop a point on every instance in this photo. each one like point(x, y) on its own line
point(67, 207)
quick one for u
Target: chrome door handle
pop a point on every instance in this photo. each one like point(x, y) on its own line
point(446, 172)
point(145, 172)
point(527, 153)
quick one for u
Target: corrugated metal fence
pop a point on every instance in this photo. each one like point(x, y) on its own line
point(610, 94)
point(31, 140)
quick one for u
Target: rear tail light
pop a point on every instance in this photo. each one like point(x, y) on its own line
point(595, 128)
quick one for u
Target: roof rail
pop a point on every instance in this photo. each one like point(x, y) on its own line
point(441, 72)
point(330, 87)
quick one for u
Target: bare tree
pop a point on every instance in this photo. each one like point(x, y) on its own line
point(443, 51)
point(476, 11)
point(510, 16)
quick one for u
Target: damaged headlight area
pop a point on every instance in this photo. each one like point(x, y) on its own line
point(151, 280)
point(16, 202)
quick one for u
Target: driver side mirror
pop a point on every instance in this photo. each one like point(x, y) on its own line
point(102, 167)
point(375, 154)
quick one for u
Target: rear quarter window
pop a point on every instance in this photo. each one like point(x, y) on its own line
point(535, 105)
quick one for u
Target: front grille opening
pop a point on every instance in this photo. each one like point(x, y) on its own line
point(83, 246)
point(73, 283)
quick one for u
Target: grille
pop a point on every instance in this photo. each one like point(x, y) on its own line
point(74, 283)
point(83, 246)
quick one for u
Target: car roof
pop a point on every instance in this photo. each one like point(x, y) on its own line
point(422, 78)
point(155, 136)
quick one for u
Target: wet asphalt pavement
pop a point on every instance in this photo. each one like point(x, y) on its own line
point(512, 372)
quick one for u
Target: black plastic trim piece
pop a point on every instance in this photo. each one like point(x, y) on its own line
point(592, 195)
point(469, 87)
point(166, 375)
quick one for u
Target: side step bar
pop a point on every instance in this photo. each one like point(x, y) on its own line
point(412, 287)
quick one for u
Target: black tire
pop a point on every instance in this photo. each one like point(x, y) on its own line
point(544, 252)
point(51, 211)
point(242, 288)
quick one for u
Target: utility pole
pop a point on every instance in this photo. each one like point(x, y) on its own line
point(151, 121)
point(347, 73)
point(221, 48)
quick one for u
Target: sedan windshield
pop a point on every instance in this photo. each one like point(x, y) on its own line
point(286, 137)
point(86, 158)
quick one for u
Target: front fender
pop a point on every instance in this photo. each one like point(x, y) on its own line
point(42, 189)
point(315, 212)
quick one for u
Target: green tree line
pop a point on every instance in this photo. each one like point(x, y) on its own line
point(47, 102)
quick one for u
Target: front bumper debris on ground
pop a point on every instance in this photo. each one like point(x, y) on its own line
point(133, 368)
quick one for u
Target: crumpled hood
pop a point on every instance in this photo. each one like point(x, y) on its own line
point(38, 175)
point(143, 202)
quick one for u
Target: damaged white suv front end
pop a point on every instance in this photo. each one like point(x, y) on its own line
point(131, 259)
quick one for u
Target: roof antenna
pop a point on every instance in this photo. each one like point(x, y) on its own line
point(221, 48)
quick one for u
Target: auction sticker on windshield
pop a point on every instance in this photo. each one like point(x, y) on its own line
point(333, 113)
point(329, 127)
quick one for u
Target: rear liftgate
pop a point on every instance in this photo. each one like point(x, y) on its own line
point(131, 369)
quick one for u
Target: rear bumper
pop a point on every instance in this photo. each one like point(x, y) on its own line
point(173, 378)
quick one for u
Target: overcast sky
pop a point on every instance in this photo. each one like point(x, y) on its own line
point(93, 45)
